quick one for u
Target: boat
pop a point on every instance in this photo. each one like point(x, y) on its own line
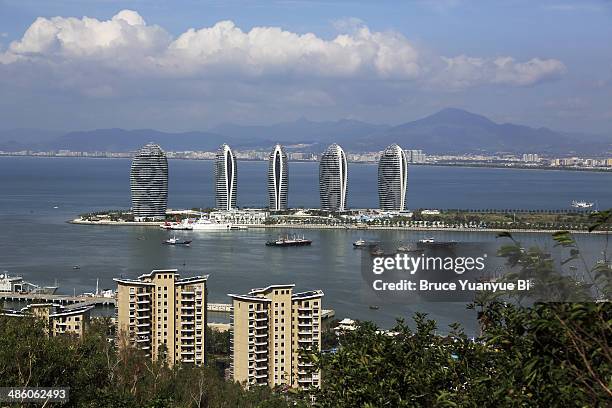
point(176, 241)
point(428, 240)
point(581, 204)
point(407, 248)
point(76, 267)
point(286, 241)
point(377, 252)
point(185, 226)
point(374, 307)
point(16, 284)
point(239, 228)
point(360, 243)
point(205, 224)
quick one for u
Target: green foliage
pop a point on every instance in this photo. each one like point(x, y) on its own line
point(548, 355)
point(100, 375)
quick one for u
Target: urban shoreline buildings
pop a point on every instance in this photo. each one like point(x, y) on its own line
point(392, 179)
point(164, 315)
point(226, 179)
point(278, 179)
point(333, 179)
point(270, 326)
point(149, 183)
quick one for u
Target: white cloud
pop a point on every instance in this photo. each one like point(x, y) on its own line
point(126, 45)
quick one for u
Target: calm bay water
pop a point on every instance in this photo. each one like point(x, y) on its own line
point(37, 243)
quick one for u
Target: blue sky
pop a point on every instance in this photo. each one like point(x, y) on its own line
point(546, 63)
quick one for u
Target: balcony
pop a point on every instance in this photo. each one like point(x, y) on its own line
point(260, 343)
point(143, 333)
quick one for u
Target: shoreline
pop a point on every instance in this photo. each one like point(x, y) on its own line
point(344, 227)
point(454, 164)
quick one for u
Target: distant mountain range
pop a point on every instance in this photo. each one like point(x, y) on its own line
point(447, 131)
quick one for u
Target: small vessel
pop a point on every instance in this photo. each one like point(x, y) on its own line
point(374, 307)
point(377, 252)
point(239, 228)
point(176, 241)
point(286, 241)
point(581, 204)
point(428, 240)
point(407, 248)
point(76, 267)
point(360, 243)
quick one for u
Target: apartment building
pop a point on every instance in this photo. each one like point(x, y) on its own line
point(59, 319)
point(164, 315)
point(270, 326)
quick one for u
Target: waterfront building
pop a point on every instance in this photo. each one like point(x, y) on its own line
point(226, 178)
point(58, 319)
point(245, 216)
point(270, 326)
point(415, 156)
point(164, 315)
point(392, 179)
point(333, 178)
point(531, 157)
point(278, 181)
point(149, 183)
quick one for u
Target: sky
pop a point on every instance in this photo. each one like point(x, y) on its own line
point(193, 64)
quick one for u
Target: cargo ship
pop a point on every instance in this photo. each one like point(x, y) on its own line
point(286, 241)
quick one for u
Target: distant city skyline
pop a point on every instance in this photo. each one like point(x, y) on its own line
point(180, 66)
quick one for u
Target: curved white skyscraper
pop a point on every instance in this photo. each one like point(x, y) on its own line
point(277, 179)
point(333, 177)
point(226, 178)
point(392, 179)
point(149, 183)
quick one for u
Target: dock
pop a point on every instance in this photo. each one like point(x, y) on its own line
point(59, 299)
point(107, 301)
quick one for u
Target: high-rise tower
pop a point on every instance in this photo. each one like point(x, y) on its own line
point(149, 183)
point(226, 179)
point(392, 179)
point(333, 177)
point(277, 179)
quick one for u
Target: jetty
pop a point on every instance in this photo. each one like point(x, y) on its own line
point(106, 301)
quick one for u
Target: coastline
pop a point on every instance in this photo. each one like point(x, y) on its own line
point(344, 227)
point(436, 164)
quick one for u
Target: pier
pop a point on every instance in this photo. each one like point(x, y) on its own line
point(107, 301)
point(59, 299)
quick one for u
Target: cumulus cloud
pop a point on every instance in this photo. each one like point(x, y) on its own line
point(126, 45)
